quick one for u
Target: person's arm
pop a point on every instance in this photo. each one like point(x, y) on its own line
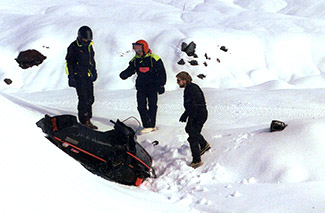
point(128, 71)
point(93, 64)
point(161, 72)
point(71, 60)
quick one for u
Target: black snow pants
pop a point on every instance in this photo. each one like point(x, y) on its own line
point(85, 92)
point(196, 140)
point(147, 107)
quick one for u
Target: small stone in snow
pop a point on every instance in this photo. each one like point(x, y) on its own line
point(7, 81)
point(181, 62)
point(194, 62)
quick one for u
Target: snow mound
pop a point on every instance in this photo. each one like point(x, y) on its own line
point(289, 156)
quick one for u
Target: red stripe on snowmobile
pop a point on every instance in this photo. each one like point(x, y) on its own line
point(138, 160)
point(84, 151)
point(53, 122)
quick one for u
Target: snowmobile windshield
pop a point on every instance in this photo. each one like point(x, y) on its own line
point(133, 123)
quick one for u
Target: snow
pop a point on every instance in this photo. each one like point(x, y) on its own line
point(274, 69)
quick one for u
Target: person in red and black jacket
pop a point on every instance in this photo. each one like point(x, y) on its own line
point(81, 71)
point(151, 78)
point(195, 114)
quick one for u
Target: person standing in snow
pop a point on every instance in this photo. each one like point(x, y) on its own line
point(81, 70)
point(195, 114)
point(151, 78)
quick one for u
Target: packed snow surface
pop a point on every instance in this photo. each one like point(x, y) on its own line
point(263, 60)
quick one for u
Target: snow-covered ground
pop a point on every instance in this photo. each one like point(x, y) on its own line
point(274, 69)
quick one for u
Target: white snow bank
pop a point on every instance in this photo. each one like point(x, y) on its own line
point(262, 46)
point(289, 156)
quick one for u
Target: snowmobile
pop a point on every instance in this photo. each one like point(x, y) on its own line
point(114, 155)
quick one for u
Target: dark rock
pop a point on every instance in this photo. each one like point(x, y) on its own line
point(206, 56)
point(201, 76)
point(205, 63)
point(194, 62)
point(181, 62)
point(184, 45)
point(218, 60)
point(189, 49)
point(195, 56)
point(7, 81)
point(29, 58)
point(223, 48)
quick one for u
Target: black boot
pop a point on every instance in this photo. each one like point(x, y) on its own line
point(195, 164)
point(90, 125)
point(205, 148)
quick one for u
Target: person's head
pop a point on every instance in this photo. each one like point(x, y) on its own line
point(140, 47)
point(183, 78)
point(85, 34)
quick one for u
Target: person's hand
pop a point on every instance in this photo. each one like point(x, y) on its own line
point(161, 90)
point(72, 81)
point(183, 117)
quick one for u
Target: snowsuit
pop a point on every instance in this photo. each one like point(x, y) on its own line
point(196, 111)
point(151, 78)
point(81, 70)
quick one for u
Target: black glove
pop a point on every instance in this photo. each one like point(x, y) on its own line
point(72, 81)
point(161, 90)
point(183, 117)
point(123, 76)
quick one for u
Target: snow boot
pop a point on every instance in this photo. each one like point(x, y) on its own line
point(196, 164)
point(147, 130)
point(90, 125)
point(204, 149)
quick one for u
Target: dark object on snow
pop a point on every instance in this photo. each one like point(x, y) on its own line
point(181, 62)
point(194, 62)
point(218, 60)
point(29, 58)
point(206, 56)
point(184, 45)
point(113, 155)
point(277, 126)
point(7, 81)
point(155, 143)
point(201, 76)
point(195, 56)
point(189, 49)
point(205, 63)
point(223, 48)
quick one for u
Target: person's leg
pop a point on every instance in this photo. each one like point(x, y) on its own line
point(198, 125)
point(90, 98)
point(83, 112)
point(142, 108)
point(152, 99)
point(193, 141)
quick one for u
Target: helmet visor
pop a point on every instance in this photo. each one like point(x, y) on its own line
point(138, 48)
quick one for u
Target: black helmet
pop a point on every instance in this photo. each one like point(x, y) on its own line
point(85, 32)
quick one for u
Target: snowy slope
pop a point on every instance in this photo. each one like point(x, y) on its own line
point(273, 69)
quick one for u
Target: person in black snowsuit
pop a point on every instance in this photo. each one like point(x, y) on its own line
point(81, 70)
point(195, 114)
point(151, 78)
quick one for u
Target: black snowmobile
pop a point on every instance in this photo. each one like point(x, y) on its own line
point(113, 155)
